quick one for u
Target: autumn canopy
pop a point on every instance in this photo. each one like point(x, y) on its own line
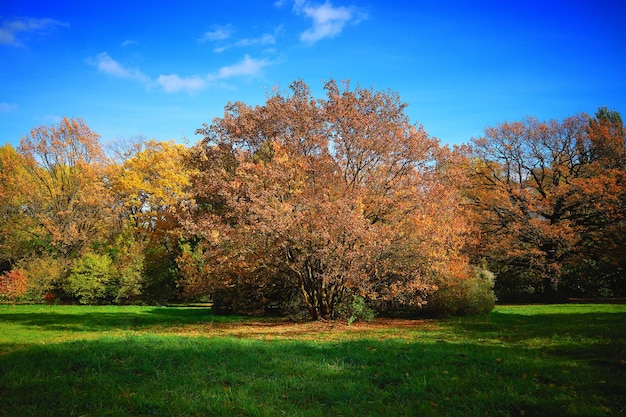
point(333, 207)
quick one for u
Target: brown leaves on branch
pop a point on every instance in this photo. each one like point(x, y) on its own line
point(550, 194)
point(335, 196)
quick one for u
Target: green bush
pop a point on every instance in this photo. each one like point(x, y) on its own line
point(128, 266)
point(512, 284)
point(354, 308)
point(90, 279)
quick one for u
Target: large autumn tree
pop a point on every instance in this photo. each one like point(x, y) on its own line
point(550, 199)
point(326, 199)
point(65, 195)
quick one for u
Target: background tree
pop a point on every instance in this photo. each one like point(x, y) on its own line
point(15, 236)
point(54, 205)
point(544, 193)
point(150, 183)
point(62, 207)
point(66, 195)
point(600, 209)
point(334, 198)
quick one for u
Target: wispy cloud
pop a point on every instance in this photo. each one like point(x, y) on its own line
point(328, 20)
point(225, 33)
point(266, 39)
point(219, 34)
point(109, 66)
point(173, 83)
point(53, 118)
point(11, 29)
point(129, 42)
point(246, 67)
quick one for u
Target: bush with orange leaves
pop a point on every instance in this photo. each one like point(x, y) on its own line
point(13, 285)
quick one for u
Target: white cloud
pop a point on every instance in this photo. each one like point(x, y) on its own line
point(109, 66)
point(225, 33)
point(7, 107)
point(129, 42)
point(266, 39)
point(173, 83)
point(328, 20)
point(219, 34)
point(247, 66)
point(10, 29)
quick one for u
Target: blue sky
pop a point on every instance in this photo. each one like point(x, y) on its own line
point(162, 68)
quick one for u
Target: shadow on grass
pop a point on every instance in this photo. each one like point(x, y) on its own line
point(178, 376)
point(510, 363)
point(90, 318)
point(513, 327)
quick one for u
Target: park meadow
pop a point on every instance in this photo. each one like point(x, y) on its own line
point(349, 264)
point(526, 360)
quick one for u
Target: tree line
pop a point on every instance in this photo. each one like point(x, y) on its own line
point(333, 207)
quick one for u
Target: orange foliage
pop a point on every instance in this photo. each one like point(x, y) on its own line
point(547, 193)
point(334, 196)
point(65, 196)
point(12, 185)
point(13, 284)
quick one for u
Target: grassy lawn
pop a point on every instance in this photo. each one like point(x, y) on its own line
point(561, 360)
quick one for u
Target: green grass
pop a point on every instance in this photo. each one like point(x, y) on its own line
point(563, 360)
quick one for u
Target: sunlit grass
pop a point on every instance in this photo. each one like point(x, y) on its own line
point(145, 361)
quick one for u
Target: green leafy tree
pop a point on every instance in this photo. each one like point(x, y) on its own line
point(128, 266)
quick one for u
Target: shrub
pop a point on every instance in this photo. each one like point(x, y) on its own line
point(13, 285)
point(515, 285)
point(45, 275)
point(160, 273)
point(90, 279)
point(249, 297)
point(128, 267)
point(354, 308)
point(472, 294)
